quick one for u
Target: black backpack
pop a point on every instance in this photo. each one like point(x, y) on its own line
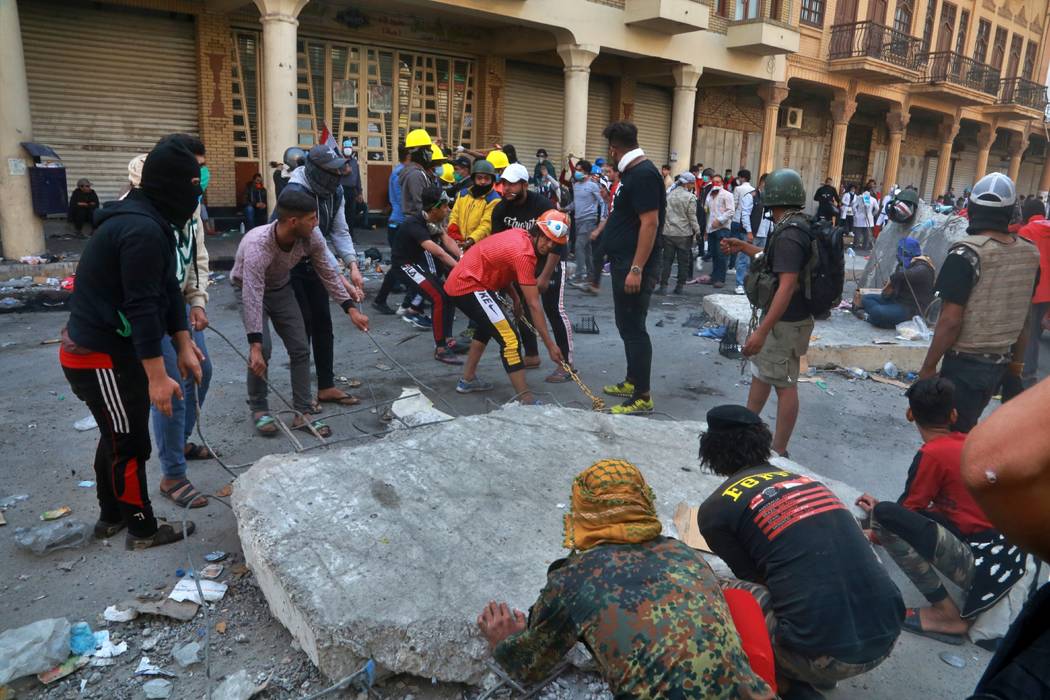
point(824, 274)
point(756, 211)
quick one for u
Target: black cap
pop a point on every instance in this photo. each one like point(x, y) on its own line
point(730, 416)
point(433, 196)
point(541, 153)
point(462, 162)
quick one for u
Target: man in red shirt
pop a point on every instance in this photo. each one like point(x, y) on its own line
point(1036, 230)
point(936, 524)
point(494, 264)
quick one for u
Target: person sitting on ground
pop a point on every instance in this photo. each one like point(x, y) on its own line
point(471, 219)
point(1010, 480)
point(421, 246)
point(261, 275)
point(936, 525)
point(82, 206)
point(908, 293)
point(831, 608)
point(254, 202)
point(495, 264)
point(680, 230)
point(648, 607)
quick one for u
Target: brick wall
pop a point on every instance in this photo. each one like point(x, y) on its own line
point(731, 108)
point(214, 48)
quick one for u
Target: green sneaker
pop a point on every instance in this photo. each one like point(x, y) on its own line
point(633, 407)
point(624, 388)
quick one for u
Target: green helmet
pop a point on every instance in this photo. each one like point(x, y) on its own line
point(784, 188)
point(909, 196)
point(483, 166)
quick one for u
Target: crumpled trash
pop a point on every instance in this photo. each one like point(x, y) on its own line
point(416, 409)
point(915, 329)
point(8, 501)
point(145, 668)
point(186, 589)
point(81, 639)
point(18, 282)
point(113, 614)
point(52, 536)
point(34, 648)
point(890, 370)
point(187, 654)
point(715, 333)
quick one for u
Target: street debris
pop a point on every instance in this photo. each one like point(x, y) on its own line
point(9, 501)
point(86, 484)
point(52, 536)
point(211, 571)
point(226, 491)
point(186, 590)
point(238, 686)
point(146, 668)
point(70, 665)
point(114, 614)
point(56, 513)
point(81, 639)
point(953, 660)
point(34, 648)
point(157, 689)
point(157, 605)
point(217, 555)
point(186, 654)
point(68, 565)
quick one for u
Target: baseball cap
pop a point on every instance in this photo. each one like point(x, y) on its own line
point(326, 157)
point(515, 172)
point(686, 178)
point(462, 161)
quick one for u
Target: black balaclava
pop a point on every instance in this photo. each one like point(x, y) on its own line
point(167, 181)
point(322, 182)
point(479, 190)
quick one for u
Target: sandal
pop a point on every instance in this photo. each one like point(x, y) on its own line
point(265, 424)
point(344, 400)
point(184, 494)
point(319, 426)
point(166, 534)
point(193, 451)
point(913, 623)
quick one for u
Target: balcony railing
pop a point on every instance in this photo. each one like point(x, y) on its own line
point(950, 67)
point(871, 40)
point(1024, 92)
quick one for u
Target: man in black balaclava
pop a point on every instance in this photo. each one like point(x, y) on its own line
point(126, 300)
point(321, 177)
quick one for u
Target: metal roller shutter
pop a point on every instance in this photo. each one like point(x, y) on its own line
point(599, 113)
point(805, 154)
point(106, 83)
point(753, 154)
point(964, 174)
point(1028, 180)
point(909, 172)
point(652, 116)
point(532, 113)
point(931, 175)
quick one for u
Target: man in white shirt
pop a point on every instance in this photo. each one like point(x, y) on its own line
point(720, 209)
point(743, 203)
point(865, 209)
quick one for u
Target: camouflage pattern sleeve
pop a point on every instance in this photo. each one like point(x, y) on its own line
point(531, 655)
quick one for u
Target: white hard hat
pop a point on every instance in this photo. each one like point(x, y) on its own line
point(994, 190)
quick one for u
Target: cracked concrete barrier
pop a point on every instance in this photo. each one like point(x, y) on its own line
point(389, 550)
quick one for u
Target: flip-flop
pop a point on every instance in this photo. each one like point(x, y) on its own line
point(318, 425)
point(193, 451)
point(344, 400)
point(183, 494)
point(265, 425)
point(913, 623)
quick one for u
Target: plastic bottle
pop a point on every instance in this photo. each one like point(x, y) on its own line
point(857, 373)
point(890, 370)
point(52, 536)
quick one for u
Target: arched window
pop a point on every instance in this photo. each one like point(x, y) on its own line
point(902, 16)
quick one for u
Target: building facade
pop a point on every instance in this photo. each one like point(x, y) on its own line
point(923, 92)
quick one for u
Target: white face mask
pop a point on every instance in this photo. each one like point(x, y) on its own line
point(348, 151)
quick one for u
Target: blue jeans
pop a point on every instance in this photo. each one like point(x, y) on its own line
point(249, 217)
point(743, 262)
point(171, 434)
point(884, 313)
point(718, 260)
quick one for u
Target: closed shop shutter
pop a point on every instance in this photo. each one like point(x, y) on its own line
point(719, 148)
point(878, 166)
point(652, 116)
point(963, 175)
point(807, 157)
point(1028, 180)
point(532, 114)
point(599, 115)
point(106, 83)
point(931, 174)
point(753, 154)
point(909, 172)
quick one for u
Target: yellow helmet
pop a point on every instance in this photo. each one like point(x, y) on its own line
point(417, 138)
point(498, 159)
point(448, 174)
point(437, 156)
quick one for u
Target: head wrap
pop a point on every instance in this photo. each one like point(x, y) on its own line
point(135, 169)
point(611, 504)
point(168, 181)
point(907, 249)
point(322, 181)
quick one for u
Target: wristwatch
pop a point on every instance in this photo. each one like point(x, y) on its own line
point(636, 270)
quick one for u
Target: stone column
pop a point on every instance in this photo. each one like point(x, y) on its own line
point(842, 109)
point(683, 110)
point(21, 232)
point(1016, 149)
point(772, 95)
point(896, 123)
point(947, 131)
point(985, 139)
point(279, 79)
point(577, 59)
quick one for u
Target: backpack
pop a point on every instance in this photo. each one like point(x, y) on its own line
point(756, 211)
point(822, 276)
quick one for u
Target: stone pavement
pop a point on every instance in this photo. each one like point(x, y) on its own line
point(389, 550)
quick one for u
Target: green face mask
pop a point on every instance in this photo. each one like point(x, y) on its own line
point(205, 177)
point(457, 176)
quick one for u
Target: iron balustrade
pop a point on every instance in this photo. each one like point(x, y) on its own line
point(954, 68)
point(1024, 92)
point(870, 40)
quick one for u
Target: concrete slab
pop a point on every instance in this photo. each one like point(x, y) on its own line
point(389, 550)
point(842, 340)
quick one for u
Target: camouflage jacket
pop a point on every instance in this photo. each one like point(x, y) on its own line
point(653, 617)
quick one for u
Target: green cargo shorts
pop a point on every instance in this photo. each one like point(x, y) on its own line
point(777, 363)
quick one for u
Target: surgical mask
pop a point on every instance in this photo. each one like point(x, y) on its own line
point(205, 177)
point(578, 176)
point(437, 172)
point(457, 176)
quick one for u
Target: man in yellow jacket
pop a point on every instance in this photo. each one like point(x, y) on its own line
point(471, 218)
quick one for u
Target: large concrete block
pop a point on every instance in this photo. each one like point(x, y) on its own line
point(389, 550)
point(843, 340)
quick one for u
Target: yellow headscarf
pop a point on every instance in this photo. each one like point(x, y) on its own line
point(611, 504)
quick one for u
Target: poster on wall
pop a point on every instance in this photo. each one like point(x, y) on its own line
point(344, 94)
point(380, 99)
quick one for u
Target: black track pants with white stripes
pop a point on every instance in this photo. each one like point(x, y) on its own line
point(119, 400)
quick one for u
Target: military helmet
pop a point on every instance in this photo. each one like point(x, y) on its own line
point(484, 167)
point(294, 157)
point(784, 188)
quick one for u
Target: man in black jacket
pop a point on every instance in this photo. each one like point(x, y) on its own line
point(126, 300)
